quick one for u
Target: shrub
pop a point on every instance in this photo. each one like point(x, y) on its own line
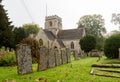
point(7, 59)
point(88, 43)
point(34, 44)
point(111, 46)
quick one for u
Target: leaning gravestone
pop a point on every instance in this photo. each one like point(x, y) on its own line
point(51, 58)
point(24, 59)
point(63, 56)
point(57, 57)
point(68, 55)
point(42, 52)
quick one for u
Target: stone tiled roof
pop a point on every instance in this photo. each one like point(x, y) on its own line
point(70, 34)
point(60, 43)
point(50, 35)
point(65, 35)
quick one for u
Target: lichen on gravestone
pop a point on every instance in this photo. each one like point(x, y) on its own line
point(24, 59)
point(51, 58)
point(57, 57)
point(42, 52)
point(76, 55)
point(63, 56)
point(68, 55)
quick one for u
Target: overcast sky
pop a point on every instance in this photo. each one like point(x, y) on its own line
point(28, 11)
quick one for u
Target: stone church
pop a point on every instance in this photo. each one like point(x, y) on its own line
point(53, 36)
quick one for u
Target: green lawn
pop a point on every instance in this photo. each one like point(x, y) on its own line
point(76, 71)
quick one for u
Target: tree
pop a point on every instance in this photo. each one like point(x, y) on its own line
point(6, 34)
point(24, 31)
point(19, 34)
point(116, 19)
point(34, 45)
point(112, 44)
point(87, 43)
point(30, 29)
point(94, 25)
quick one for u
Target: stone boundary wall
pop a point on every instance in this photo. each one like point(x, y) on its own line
point(47, 58)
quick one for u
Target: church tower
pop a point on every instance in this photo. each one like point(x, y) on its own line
point(53, 23)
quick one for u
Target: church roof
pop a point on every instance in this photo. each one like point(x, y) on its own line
point(50, 35)
point(60, 43)
point(70, 34)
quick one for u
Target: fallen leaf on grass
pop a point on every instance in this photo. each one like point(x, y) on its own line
point(41, 79)
point(7, 80)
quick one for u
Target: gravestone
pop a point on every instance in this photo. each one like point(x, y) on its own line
point(68, 55)
point(42, 52)
point(51, 58)
point(24, 59)
point(8, 49)
point(119, 53)
point(82, 54)
point(12, 50)
point(57, 57)
point(75, 55)
point(63, 56)
point(2, 51)
point(94, 53)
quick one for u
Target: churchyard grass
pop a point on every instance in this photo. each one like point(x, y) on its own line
point(76, 71)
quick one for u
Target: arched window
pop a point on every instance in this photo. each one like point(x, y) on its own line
point(50, 23)
point(72, 45)
point(55, 47)
point(41, 42)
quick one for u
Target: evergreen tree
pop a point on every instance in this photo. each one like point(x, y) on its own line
point(111, 46)
point(19, 34)
point(87, 43)
point(6, 34)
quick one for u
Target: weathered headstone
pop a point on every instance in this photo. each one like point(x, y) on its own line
point(63, 56)
point(8, 49)
point(82, 54)
point(42, 52)
point(24, 59)
point(94, 53)
point(12, 50)
point(57, 57)
point(0, 51)
point(68, 55)
point(76, 55)
point(3, 50)
point(119, 53)
point(51, 58)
